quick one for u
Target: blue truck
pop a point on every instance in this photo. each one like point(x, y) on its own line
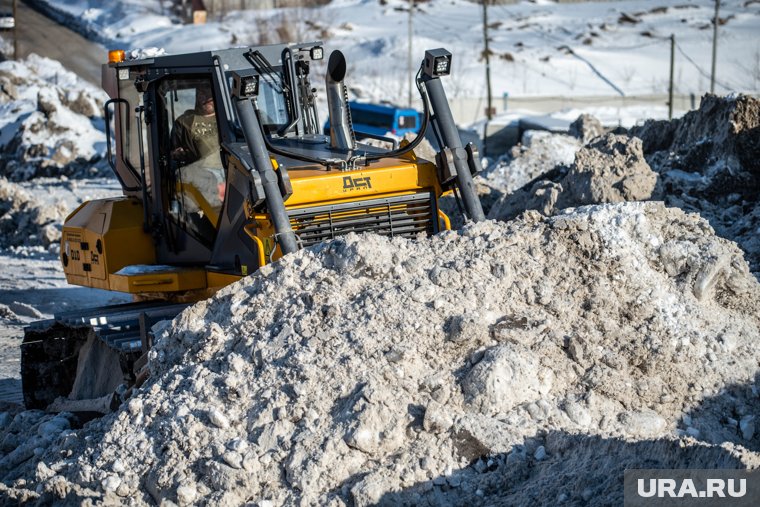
point(380, 119)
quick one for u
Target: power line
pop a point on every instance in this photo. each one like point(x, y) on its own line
point(595, 70)
point(701, 71)
point(638, 46)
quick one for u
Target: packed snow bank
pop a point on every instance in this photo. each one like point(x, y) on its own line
point(709, 162)
point(705, 162)
point(369, 369)
point(538, 153)
point(609, 169)
point(50, 122)
point(32, 212)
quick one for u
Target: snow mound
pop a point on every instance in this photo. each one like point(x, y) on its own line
point(586, 128)
point(24, 221)
point(709, 162)
point(722, 135)
point(610, 169)
point(50, 122)
point(538, 153)
point(705, 162)
point(470, 364)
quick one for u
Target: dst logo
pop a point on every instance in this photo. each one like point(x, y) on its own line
point(350, 183)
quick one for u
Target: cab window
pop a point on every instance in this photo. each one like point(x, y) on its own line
point(407, 122)
point(270, 102)
point(190, 146)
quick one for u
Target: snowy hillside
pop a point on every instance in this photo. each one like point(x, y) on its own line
point(538, 49)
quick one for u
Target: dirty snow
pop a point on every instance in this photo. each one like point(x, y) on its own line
point(705, 162)
point(50, 122)
point(509, 362)
point(373, 370)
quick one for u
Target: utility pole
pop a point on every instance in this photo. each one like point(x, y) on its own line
point(409, 56)
point(486, 52)
point(715, 46)
point(15, 31)
point(672, 69)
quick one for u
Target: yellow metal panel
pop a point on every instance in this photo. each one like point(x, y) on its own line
point(84, 281)
point(175, 280)
point(250, 230)
point(125, 243)
point(315, 187)
point(100, 238)
point(216, 280)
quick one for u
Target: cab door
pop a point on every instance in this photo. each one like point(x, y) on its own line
point(190, 177)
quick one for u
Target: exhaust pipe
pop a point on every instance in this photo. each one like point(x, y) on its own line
point(341, 135)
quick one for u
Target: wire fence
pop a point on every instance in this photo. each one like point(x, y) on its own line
point(441, 21)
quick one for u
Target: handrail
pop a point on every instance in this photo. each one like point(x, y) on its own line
point(109, 152)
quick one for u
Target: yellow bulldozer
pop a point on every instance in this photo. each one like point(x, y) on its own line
point(224, 168)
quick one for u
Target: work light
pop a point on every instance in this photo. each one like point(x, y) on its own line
point(245, 84)
point(317, 53)
point(437, 62)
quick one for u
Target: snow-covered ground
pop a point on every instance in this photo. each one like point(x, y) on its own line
point(51, 160)
point(591, 49)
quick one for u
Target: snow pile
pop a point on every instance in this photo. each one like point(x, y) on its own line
point(471, 365)
point(709, 162)
point(538, 153)
point(610, 169)
point(17, 313)
point(705, 162)
point(25, 221)
point(110, 22)
point(50, 122)
point(586, 128)
point(722, 135)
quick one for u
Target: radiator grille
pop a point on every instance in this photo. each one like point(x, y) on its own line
point(394, 216)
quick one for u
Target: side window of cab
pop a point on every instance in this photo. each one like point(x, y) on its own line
point(191, 150)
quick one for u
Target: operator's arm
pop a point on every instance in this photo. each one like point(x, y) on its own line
point(181, 141)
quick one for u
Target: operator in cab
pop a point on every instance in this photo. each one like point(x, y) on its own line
point(196, 135)
point(196, 157)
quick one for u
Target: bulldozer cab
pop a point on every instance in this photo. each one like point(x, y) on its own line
point(175, 126)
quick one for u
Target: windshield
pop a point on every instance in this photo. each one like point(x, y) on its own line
point(271, 103)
